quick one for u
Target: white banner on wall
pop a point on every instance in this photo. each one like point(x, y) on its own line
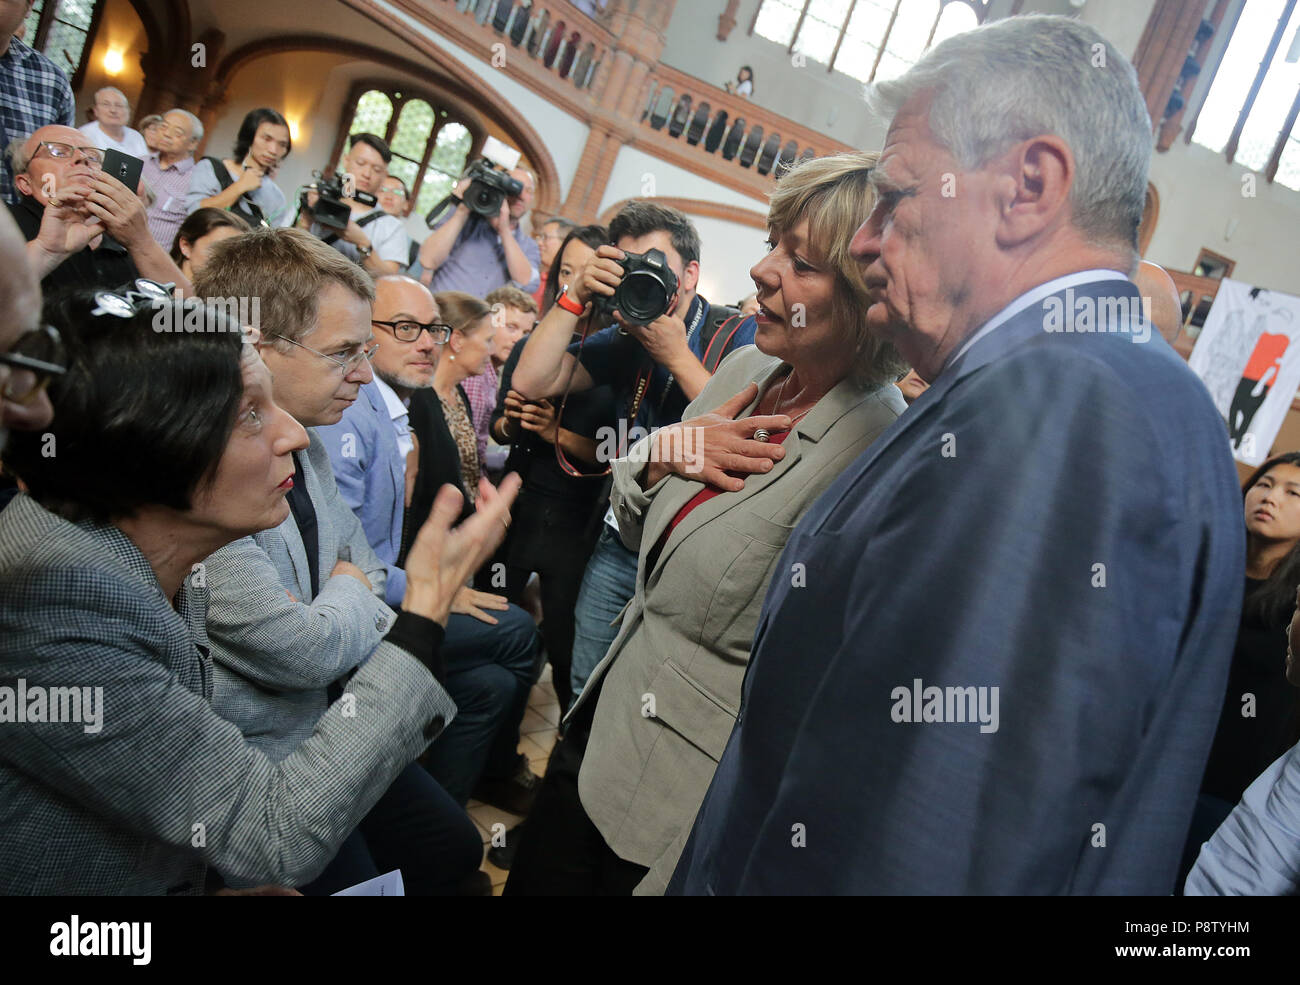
point(1248, 355)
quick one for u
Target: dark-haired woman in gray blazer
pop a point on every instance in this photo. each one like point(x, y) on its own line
point(116, 776)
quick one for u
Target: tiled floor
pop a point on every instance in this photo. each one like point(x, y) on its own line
point(537, 734)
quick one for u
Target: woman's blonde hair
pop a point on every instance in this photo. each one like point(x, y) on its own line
point(835, 195)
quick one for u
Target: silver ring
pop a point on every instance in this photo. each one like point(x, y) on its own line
point(762, 434)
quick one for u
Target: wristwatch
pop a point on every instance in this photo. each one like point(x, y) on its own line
point(568, 304)
point(365, 251)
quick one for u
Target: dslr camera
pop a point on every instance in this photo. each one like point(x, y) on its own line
point(330, 210)
point(647, 290)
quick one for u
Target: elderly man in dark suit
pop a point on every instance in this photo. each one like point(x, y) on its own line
point(993, 658)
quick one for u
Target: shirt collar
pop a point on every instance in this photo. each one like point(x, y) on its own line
point(1032, 296)
point(396, 408)
point(183, 165)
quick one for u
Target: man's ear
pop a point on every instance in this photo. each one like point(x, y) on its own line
point(23, 183)
point(1033, 187)
point(690, 276)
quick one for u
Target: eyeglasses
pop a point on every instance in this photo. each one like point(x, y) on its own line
point(347, 364)
point(62, 152)
point(130, 298)
point(409, 331)
point(35, 358)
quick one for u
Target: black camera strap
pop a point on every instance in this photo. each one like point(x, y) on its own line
point(364, 221)
point(244, 206)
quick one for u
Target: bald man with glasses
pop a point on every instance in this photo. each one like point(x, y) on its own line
point(84, 227)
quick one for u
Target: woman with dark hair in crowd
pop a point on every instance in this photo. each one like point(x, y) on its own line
point(556, 520)
point(709, 504)
point(242, 182)
point(1261, 710)
point(744, 84)
point(131, 783)
point(201, 231)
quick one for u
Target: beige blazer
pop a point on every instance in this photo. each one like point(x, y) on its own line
point(672, 677)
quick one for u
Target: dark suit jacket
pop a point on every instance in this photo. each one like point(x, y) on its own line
point(105, 268)
point(963, 549)
point(439, 462)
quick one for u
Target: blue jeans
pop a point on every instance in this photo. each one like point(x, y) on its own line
point(490, 671)
point(608, 584)
point(416, 827)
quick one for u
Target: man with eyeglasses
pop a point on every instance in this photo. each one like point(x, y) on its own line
point(549, 237)
point(34, 91)
point(167, 171)
point(490, 646)
point(294, 610)
point(84, 228)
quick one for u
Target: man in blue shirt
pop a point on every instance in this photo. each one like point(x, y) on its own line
point(34, 92)
point(655, 371)
point(469, 253)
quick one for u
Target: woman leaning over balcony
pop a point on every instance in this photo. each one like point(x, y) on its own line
point(710, 504)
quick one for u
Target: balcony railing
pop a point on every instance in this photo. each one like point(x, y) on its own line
point(555, 35)
point(728, 127)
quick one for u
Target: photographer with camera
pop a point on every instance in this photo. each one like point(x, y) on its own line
point(344, 212)
point(478, 246)
point(666, 344)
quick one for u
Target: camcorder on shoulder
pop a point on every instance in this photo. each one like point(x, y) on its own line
point(330, 210)
point(490, 183)
point(489, 188)
point(647, 290)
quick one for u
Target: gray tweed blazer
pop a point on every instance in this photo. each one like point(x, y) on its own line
point(166, 787)
point(275, 655)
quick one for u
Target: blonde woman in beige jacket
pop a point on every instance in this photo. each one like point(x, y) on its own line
point(709, 504)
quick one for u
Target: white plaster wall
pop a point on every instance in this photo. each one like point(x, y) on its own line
point(727, 251)
point(637, 174)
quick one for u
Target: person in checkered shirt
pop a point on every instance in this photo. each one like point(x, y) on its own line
point(34, 92)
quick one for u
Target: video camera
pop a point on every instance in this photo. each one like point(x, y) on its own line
point(488, 188)
point(330, 210)
point(646, 292)
point(490, 182)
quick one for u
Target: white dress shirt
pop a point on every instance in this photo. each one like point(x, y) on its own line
point(401, 418)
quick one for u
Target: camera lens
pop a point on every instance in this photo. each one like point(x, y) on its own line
point(484, 199)
point(642, 297)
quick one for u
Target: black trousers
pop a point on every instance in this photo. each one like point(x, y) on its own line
point(561, 853)
point(415, 826)
point(553, 537)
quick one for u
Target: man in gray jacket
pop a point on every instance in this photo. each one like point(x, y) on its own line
point(296, 609)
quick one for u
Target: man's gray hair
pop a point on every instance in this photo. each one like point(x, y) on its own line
point(18, 156)
point(196, 125)
point(1022, 77)
point(103, 89)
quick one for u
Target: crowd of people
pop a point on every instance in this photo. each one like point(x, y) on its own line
point(868, 584)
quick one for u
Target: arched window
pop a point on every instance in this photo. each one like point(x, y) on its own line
point(61, 30)
point(865, 39)
point(1249, 112)
point(430, 147)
